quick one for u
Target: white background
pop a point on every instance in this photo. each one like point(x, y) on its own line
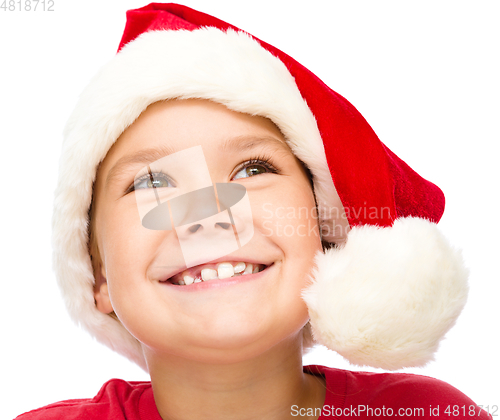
point(424, 74)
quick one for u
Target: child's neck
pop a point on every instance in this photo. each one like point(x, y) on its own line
point(263, 387)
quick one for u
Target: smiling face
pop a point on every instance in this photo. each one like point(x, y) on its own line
point(205, 323)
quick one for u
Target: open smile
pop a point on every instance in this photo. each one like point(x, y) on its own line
point(216, 275)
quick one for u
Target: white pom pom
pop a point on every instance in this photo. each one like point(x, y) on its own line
point(389, 295)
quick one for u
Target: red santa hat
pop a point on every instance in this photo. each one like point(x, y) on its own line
point(390, 289)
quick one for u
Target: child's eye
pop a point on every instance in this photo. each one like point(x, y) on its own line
point(153, 180)
point(162, 180)
point(255, 167)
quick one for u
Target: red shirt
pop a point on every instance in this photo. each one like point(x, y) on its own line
point(349, 395)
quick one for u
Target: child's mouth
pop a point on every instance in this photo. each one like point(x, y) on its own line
point(209, 272)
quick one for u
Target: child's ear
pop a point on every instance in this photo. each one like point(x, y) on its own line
point(101, 295)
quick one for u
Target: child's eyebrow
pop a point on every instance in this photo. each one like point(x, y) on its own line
point(230, 145)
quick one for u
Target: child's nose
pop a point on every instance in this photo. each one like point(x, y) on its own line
point(195, 206)
point(211, 223)
point(217, 225)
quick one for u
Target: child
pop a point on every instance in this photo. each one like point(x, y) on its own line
point(202, 155)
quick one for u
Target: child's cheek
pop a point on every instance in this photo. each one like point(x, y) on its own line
point(287, 215)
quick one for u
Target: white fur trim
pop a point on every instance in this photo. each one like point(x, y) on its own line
point(230, 68)
point(389, 295)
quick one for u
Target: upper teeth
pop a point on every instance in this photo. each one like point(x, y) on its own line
point(224, 271)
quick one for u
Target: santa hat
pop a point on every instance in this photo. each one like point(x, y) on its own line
point(389, 290)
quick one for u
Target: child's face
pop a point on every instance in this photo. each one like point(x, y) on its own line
point(211, 323)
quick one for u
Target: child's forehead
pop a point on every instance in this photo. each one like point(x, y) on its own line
point(164, 127)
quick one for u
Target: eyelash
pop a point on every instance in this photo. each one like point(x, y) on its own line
point(156, 175)
point(262, 160)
